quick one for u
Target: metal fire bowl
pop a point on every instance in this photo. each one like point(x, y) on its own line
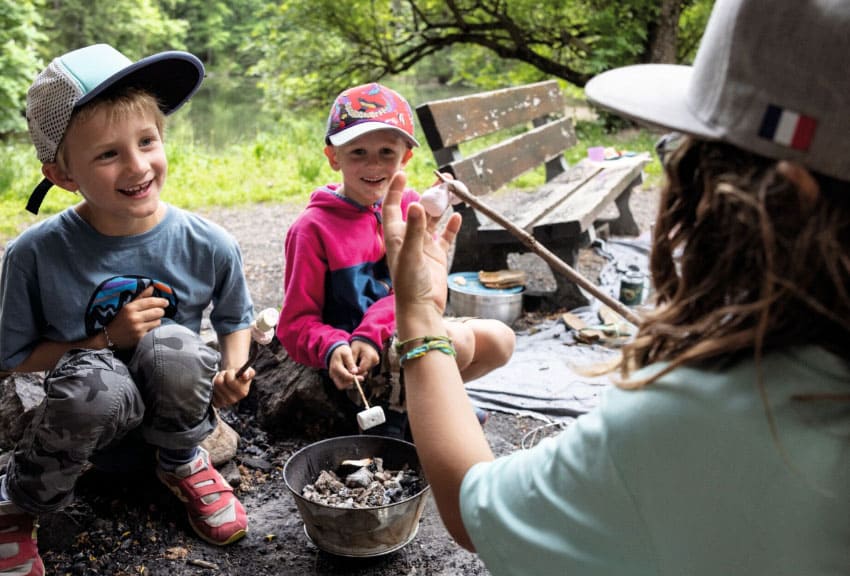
point(356, 532)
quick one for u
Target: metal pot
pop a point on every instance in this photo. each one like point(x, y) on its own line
point(468, 297)
point(356, 532)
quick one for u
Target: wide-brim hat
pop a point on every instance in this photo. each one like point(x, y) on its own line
point(81, 76)
point(774, 80)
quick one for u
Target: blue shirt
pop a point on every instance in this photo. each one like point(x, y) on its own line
point(684, 477)
point(62, 280)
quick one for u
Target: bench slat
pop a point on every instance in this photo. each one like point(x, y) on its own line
point(581, 208)
point(491, 169)
point(453, 121)
point(526, 208)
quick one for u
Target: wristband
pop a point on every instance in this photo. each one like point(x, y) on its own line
point(425, 339)
point(441, 344)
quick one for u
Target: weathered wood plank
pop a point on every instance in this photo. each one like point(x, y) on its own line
point(579, 210)
point(494, 167)
point(527, 208)
point(453, 121)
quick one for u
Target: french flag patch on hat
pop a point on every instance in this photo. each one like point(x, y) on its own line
point(787, 127)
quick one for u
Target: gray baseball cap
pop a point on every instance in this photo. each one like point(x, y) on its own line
point(769, 77)
point(80, 76)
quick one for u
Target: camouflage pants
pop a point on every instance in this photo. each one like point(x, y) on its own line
point(162, 390)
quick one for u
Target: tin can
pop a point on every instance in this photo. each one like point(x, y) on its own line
point(631, 286)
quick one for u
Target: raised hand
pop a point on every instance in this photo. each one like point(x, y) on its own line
point(417, 260)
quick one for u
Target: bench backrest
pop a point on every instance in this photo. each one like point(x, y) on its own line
point(453, 121)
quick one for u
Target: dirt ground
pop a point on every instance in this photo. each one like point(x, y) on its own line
point(130, 524)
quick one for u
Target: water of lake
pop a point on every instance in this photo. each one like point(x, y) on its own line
point(223, 112)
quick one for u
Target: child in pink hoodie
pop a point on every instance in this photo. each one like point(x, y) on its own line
point(338, 309)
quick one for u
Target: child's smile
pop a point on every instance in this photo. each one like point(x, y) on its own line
point(137, 191)
point(118, 165)
point(368, 163)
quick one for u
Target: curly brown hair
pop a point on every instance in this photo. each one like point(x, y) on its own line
point(743, 261)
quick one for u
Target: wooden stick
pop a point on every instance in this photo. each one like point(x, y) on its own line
point(529, 241)
point(261, 329)
point(255, 351)
point(360, 389)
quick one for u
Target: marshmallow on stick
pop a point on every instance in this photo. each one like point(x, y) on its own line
point(436, 199)
point(370, 417)
point(262, 332)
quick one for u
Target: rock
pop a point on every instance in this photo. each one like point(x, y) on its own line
point(20, 394)
point(231, 473)
point(222, 443)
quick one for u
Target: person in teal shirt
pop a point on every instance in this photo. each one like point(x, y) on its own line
point(725, 446)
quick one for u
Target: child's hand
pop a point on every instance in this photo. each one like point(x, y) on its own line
point(365, 357)
point(342, 368)
point(349, 362)
point(137, 318)
point(228, 389)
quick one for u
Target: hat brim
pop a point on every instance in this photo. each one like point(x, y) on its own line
point(357, 130)
point(173, 77)
point(654, 94)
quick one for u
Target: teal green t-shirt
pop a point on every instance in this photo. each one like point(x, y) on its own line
point(683, 477)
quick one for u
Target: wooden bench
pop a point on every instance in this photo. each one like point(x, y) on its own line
point(532, 130)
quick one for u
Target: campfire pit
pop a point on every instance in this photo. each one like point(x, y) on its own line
point(363, 531)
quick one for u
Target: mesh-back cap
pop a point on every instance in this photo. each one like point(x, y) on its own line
point(80, 76)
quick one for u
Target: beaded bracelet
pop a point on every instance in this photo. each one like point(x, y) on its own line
point(425, 339)
point(442, 344)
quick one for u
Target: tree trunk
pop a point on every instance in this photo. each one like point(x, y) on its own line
point(664, 33)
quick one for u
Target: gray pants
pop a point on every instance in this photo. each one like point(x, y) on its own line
point(94, 398)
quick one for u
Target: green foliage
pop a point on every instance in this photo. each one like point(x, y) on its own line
point(281, 164)
point(481, 68)
point(217, 30)
point(310, 50)
point(253, 133)
point(691, 26)
point(137, 28)
point(19, 63)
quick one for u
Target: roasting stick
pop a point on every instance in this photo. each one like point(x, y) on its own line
point(370, 417)
point(262, 331)
point(462, 192)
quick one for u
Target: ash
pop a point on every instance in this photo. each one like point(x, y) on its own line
point(366, 486)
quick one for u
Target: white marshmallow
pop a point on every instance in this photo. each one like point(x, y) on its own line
point(266, 319)
point(262, 330)
point(371, 417)
point(459, 186)
point(435, 200)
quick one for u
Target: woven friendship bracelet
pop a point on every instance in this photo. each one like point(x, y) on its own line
point(441, 345)
point(424, 339)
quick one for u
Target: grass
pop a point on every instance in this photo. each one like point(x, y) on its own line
point(283, 163)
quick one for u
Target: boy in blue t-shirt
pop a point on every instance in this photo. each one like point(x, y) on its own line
point(107, 297)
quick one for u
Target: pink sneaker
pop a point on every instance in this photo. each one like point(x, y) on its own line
point(18, 543)
point(215, 513)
